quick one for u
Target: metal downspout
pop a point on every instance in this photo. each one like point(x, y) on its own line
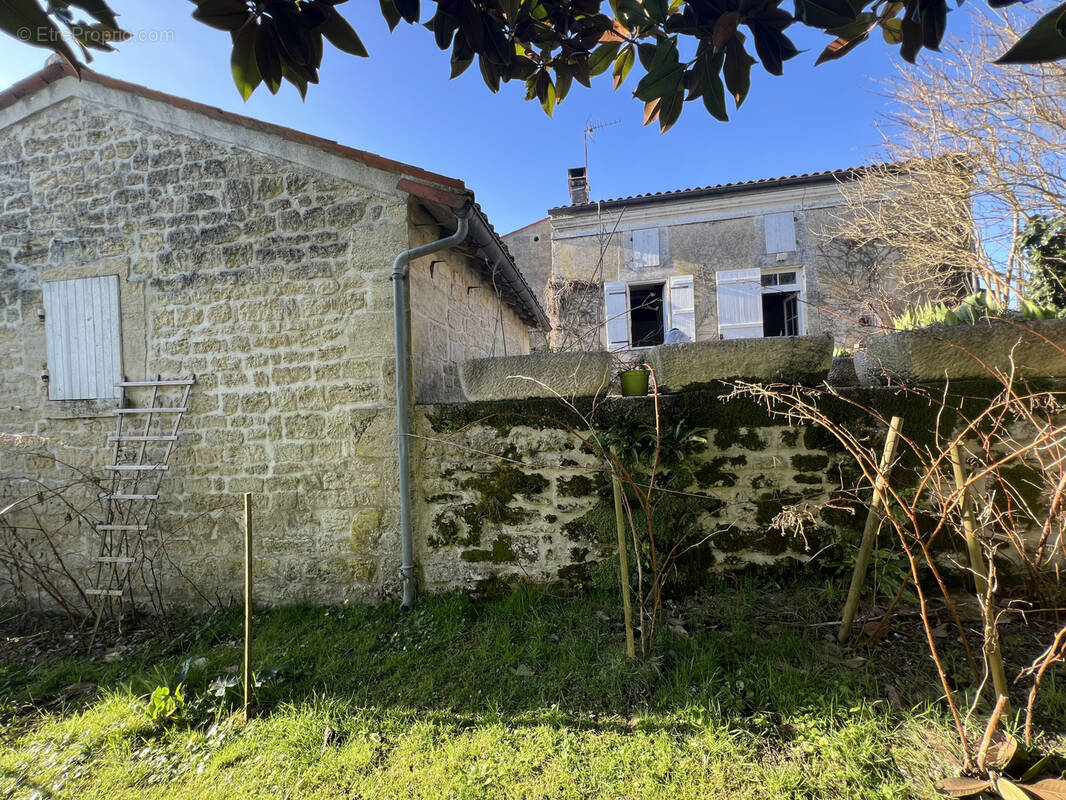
point(403, 393)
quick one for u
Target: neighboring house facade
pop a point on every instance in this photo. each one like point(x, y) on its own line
point(731, 261)
point(143, 234)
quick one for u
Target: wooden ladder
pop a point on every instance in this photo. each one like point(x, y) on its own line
point(140, 458)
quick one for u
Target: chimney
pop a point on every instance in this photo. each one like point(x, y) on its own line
point(579, 186)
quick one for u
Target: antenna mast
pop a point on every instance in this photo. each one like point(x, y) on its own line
point(590, 128)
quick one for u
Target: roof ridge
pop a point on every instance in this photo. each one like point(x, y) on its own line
point(722, 188)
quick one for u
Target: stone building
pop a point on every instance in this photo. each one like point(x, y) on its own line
point(730, 261)
point(142, 235)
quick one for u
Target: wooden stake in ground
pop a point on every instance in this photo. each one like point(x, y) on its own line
point(623, 565)
point(247, 602)
point(980, 579)
point(869, 533)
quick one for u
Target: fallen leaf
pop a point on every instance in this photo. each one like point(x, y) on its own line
point(963, 787)
point(856, 662)
point(1002, 753)
point(522, 671)
point(1048, 789)
point(1008, 791)
point(327, 738)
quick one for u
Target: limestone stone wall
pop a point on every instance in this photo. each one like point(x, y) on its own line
point(260, 265)
point(508, 494)
point(690, 245)
point(531, 248)
point(455, 316)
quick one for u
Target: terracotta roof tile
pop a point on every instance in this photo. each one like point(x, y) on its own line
point(846, 173)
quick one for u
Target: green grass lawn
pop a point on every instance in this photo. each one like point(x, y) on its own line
point(522, 697)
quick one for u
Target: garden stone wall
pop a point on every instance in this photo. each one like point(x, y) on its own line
point(508, 493)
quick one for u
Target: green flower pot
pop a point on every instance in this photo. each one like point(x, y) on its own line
point(634, 382)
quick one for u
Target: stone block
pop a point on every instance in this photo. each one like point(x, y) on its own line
point(1032, 349)
point(536, 375)
point(795, 359)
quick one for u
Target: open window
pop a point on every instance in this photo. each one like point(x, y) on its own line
point(82, 338)
point(641, 314)
point(754, 303)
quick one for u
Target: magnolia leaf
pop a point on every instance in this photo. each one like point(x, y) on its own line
point(963, 787)
point(824, 13)
point(1048, 789)
point(243, 62)
point(390, 13)
point(563, 80)
point(545, 92)
point(1045, 41)
point(934, 22)
point(1000, 756)
point(226, 15)
point(409, 9)
point(602, 56)
point(838, 48)
point(268, 56)
point(1009, 791)
point(99, 10)
point(622, 65)
point(490, 73)
point(651, 110)
point(670, 110)
point(657, 9)
point(665, 72)
point(26, 21)
point(342, 35)
point(737, 69)
point(892, 30)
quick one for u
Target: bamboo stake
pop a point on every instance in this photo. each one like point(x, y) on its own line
point(247, 602)
point(623, 565)
point(980, 579)
point(869, 533)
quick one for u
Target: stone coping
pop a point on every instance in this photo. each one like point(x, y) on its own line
point(1033, 349)
point(795, 359)
point(564, 375)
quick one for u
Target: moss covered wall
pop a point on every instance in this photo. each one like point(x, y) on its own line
point(506, 492)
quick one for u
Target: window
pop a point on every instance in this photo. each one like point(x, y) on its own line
point(754, 303)
point(81, 332)
point(646, 248)
point(646, 315)
point(640, 314)
point(780, 230)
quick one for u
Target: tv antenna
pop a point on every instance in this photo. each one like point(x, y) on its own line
point(590, 129)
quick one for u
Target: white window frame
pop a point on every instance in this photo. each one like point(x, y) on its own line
point(83, 338)
point(799, 286)
point(613, 290)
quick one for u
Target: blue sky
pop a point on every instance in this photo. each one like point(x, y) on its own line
point(399, 103)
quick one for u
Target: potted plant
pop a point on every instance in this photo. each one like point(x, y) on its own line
point(634, 381)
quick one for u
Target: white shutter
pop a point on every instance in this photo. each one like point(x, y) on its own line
point(81, 332)
point(616, 305)
point(682, 305)
point(780, 232)
point(646, 248)
point(739, 303)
